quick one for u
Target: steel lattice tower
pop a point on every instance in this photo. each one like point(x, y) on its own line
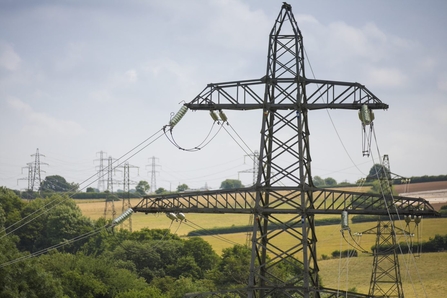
point(285, 199)
point(36, 176)
point(127, 224)
point(101, 171)
point(385, 278)
point(110, 203)
point(153, 165)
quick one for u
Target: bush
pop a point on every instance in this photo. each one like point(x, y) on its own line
point(345, 253)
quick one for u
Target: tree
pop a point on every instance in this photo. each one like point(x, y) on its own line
point(62, 221)
point(161, 191)
point(57, 183)
point(23, 279)
point(149, 257)
point(231, 184)
point(318, 181)
point(377, 172)
point(202, 253)
point(12, 206)
point(87, 276)
point(142, 188)
point(182, 187)
point(330, 181)
point(233, 268)
point(90, 189)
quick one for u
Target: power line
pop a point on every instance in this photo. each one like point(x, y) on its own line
point(47, 207)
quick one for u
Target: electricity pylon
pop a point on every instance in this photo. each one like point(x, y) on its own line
point(110, 199)
point(34, 172)
point(101, 170)
point(386, 280)
point(284, 195)
point(153, 165)
point(127, 224)
point(254, 170)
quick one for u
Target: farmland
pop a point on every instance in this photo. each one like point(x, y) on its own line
point(418, 274)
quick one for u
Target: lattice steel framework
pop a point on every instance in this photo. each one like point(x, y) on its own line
point(386, 280)
point(284, 196)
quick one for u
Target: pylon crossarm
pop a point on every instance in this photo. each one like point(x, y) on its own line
point(229, 95)
point(321, 94)
point(282, 200)
point(220, 201)
point(324, 94)
point(333, 201)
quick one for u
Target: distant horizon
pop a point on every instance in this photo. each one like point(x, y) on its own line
point(90, 76)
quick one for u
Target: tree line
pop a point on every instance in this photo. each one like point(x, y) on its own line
point(103, 263)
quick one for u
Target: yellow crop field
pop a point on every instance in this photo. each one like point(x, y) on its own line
point(422, 276)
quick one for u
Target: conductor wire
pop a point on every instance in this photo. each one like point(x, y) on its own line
point(45, 209)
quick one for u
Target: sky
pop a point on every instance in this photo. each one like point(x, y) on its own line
point(82, 77)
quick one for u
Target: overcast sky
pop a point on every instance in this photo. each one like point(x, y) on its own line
point(80, 77)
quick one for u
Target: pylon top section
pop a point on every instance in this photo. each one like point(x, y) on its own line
point(284, 85)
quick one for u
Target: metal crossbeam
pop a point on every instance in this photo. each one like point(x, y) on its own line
point(285, 96)
point(326, 201)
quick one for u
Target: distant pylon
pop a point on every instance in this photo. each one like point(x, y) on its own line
point(255, 158)
point(127, 224)
point(154, 172)
point(110, 198)
point(386, 280)
point(34, 172)
point(101, 171)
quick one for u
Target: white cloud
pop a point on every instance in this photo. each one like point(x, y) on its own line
point(41, 124)
point(442, 82)
point(9, 59)
point(71, 57)
point(131, 76)
point(440, 116)
point(386, 77)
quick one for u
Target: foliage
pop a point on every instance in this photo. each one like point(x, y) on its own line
point(233, 267)
point(437, 243)
point(330, 181)
point(102, 195)
point(318, 181)
point(421, 179)
point(151, 260)
point(11, 205)
point(23, 279)
point(55, 219)
point(177, 288)
point(247, 228)
point(377, 172)
point(142, 187)
point(146, 234)
point(57, 183)
point(86, 276)
point(182, 187)
point(348, 253)
point(161, 191)
point(90, 189)
point(202, 253)
point(231, 184)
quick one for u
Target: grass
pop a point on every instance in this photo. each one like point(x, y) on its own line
point(426, 268)
point(421, 277)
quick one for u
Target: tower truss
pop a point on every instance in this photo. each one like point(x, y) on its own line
point(284, 195)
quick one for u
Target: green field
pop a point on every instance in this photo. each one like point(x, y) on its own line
point(422, 276)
